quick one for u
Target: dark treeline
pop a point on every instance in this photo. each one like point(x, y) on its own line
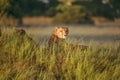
point(63, 11)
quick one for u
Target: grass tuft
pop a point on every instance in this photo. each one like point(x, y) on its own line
point(21, 59)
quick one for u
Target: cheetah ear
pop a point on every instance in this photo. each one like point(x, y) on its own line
point(56, 28)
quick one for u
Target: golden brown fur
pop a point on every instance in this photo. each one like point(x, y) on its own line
point(55, 39)
point(22, 33)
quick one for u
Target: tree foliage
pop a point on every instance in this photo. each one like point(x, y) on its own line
point(71, 13)
point(74, 14)
point(33, 7)
point(10, 8)
point(105, 8)
point(61, 9)
point(116, 7)
point(51, 8)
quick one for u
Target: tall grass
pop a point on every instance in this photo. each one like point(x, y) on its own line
point(21, 59)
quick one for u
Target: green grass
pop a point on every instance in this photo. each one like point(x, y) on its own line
point(21, 59)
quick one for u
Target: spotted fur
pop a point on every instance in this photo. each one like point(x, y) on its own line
point(58, 38)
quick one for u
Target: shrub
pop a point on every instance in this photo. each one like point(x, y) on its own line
point(73, 15)
point(19, 60)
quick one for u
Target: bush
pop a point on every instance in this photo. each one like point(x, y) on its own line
point(74, 15)
point(20, 60)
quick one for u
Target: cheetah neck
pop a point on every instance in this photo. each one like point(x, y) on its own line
point(55, 40)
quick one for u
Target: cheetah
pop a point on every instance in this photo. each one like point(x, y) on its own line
point(58, 38)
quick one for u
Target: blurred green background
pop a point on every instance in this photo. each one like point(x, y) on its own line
point(59, 11)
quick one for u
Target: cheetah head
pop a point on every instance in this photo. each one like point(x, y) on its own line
point(61, 32)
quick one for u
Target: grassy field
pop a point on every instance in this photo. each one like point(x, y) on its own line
point(79, 34)
point(21, 59)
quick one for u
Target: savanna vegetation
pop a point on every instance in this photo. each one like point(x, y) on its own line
point(62, 11)
point(22, 59)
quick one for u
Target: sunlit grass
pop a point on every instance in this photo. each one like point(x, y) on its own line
point(21, 59)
